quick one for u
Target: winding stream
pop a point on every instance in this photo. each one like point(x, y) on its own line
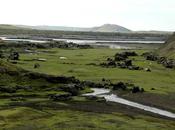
point(114, 98)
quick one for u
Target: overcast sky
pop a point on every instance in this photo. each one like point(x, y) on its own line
point(132, 14)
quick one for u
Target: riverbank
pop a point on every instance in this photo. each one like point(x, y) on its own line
point(151, 99)
point(113, 44)
point(110, 97)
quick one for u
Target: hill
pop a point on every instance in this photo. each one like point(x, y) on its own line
point(7, 26)
point(168, 49)
point(103, 28)
point(110, 28)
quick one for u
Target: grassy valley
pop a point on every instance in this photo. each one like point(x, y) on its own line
point(41, 86)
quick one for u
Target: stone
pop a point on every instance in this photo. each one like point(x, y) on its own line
point(60, 97)
point(119, 85)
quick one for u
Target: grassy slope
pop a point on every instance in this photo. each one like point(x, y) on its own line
point(160, 78)
point(24, 118)
point(43, 114)
point(168, 49)
point(6, 26)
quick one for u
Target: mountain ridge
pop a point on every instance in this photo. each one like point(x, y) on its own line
point(103, 28)
point(111, 28)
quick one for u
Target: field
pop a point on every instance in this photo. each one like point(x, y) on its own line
point(24, 118)
point(78, 64)
point(37, 112)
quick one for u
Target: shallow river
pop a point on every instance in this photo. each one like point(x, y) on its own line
point(109, 44)
point(114, 98)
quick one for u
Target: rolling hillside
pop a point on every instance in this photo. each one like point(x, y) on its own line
point(168, 49)
point(7, 26)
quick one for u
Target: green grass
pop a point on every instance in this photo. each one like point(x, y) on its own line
point(160, 78)
point(24, 118)
point(39, 113)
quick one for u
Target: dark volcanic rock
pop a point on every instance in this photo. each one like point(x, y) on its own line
point(121, 61)
point(74, 89)
point(14, 56)
point(119, 85)
point(36, 66)
point(51, 78)
point(124, 55)
point(135, 68)
point(120, 57)
point(128, 62)
point(61, 97)
point(168, 63)
point(137, 89)
point(93, 84)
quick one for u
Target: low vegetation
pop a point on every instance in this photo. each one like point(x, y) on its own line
point(41, 88)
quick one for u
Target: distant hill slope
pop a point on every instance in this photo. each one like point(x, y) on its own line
point(6, 26)
point(168, 49)
point(110, 28)
point(103, 28)
point(54, 28)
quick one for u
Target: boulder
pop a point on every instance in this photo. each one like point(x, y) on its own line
point(153, 89)
point(130, 53)
point(36, 66)
point(60, 97)
point(120, 57)
point(137, 89)
point(93, 84)
point(162, 60)
point(119, 85)
point(73, 89)
point(147, 69)
point(150, 56)
point(170, 63)
point(128, 62)
point(14, 56)
point(134, 68)
point(111, 63)
point(124, 55)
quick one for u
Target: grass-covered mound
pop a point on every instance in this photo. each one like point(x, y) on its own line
point(16, 82)
point(168, 49)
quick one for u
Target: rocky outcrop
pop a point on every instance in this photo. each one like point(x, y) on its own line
point(168, 63)
point(51, 44)
point(127, 87)
point(121, 60)
point(61, 97)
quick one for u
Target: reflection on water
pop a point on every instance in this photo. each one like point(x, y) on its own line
point(101, 43)
point(23, 40)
